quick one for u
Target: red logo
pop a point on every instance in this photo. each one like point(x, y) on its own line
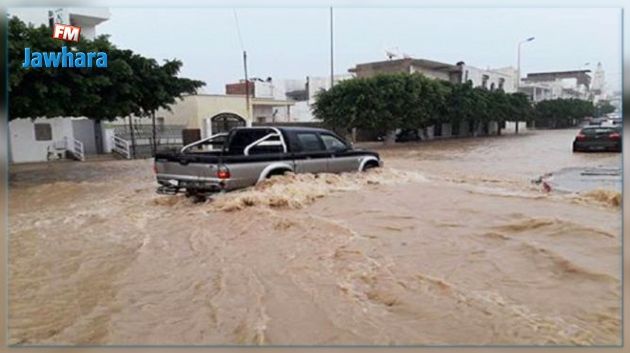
point(66, 32)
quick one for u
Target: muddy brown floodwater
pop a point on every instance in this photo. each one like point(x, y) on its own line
point(450, 243)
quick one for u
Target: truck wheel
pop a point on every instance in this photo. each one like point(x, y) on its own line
point(277, 172)
point(370, 165)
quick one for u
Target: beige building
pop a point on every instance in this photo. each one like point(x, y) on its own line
point(213, 113)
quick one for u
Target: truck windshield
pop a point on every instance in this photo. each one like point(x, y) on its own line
point(333, 143)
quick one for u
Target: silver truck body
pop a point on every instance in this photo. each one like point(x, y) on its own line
point(275, 151)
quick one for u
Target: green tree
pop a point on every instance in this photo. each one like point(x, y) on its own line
point(603, 107)
point(562, 113)
point(132, 84)
point(402, 101)
point(383, 103)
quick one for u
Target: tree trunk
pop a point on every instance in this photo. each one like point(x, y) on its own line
point(516, 127)
point(133, 138)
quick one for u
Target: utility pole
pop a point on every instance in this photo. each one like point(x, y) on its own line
point(332, 67)
point(246, 85)
point(518, 70)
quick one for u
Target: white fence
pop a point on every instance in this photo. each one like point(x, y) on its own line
point(75, 147)
point(121, 146)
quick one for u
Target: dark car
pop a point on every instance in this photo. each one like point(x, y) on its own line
point(598, 138)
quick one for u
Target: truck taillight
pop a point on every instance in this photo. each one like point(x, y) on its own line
point(223, 173)
point(580, 137)
point(614, 136)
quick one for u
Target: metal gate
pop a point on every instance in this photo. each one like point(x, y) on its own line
point(226, 121)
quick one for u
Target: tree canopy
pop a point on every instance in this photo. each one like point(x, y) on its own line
point(562, 113)
point(411, 101)
point(131, 85)
point(603, 107)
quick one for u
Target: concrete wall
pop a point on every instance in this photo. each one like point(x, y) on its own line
point(435, 74)
point(263, 111)
point(24, 147)
point(510, 127)
point(183, 112)
point(210, 105)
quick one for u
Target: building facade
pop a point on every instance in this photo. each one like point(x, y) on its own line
point(215, 113)
point(504, 78)
point(86, 18)
point(491, 79)
point(578, 84)
point(285, 100)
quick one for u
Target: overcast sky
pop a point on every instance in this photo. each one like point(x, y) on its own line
point(294, 43)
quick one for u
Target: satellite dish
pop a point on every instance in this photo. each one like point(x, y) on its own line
point(392, 53)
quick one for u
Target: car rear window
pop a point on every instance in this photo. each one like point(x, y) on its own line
point(597, 131)
point(242, 138)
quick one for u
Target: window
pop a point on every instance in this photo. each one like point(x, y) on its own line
point(261, 119)
point(466, 76)
point(332, 143)
point(43, 132)
point(271, 145)
point(501, 82)
point(240, 139)
point(492, 86)
point(310, 142)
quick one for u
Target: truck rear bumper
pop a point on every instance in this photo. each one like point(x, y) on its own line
point(174, 183)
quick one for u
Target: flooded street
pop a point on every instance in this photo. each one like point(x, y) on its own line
point(450, 243)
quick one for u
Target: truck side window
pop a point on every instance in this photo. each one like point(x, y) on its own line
point(332, 143)
point(310, 142)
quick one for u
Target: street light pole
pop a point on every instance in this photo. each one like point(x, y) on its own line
point(518, 70)
point(332, 48)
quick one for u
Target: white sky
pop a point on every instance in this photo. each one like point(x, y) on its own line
point(294, 43)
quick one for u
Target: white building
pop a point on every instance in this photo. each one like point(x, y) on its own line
point(301, 93)
point(598, 84)
point(503, 78)
point(580, 84)
point(86, 18)
point(39, 139)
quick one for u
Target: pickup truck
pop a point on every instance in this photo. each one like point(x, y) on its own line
point(245, 156)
